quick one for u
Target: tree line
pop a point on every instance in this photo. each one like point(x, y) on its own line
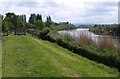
point(112, 29)
point(47, 30)
point(17, 24)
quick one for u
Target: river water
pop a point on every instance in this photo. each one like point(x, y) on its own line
point(94, 37)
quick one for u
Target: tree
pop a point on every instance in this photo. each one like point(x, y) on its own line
point(32, 19)
point(17, 21)
point(6, 26)
point(22, 27)
point(29, 26)
point(39, 17)
point(39, 25)
point(1, 19)
point(14, 23)
point(44, 33)
point(23, 18)
point(48, 22)
point(11, 17)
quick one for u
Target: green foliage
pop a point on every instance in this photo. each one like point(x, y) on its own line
point(16, 23)
point(1, 19)
point(22, 17)
point(43, 34)
point(39, 17)
point(68, 38)
point(21, 28)
point(32, 19)
point(107, 57)
point(49, 29)
point(29, 57)
point(110, 57)
point(5, 26)
point(62, 26)
point(11, 17)
point(112, 29)
point(39, 25)
point(29, 26)
point(48, 22)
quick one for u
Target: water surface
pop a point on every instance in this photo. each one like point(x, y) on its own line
point(94, 37)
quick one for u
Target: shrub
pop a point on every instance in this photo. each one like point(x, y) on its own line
point(109, 60)
point(84, 40)
point(43, 34)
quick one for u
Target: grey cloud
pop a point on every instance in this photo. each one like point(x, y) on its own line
point(6, 6)
point(93, 11)
point(101, 8)
point(28, 4)
point(110, 4)
point(52, 4)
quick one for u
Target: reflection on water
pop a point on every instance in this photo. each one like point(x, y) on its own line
point(94, 37)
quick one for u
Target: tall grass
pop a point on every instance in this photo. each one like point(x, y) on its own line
point(67, 37)
point(101, 43)
point(105, 43)
point(84, 40)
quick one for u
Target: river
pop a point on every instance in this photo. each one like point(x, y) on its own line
point(94, 37)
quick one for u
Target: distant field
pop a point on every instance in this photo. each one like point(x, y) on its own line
point(25, 56)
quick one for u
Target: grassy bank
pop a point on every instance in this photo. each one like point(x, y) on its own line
point(102, 51)
point(28, 56)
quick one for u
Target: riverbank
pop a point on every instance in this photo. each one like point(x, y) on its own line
point(115, 40)
point(103, 51)
point(111, 29)
point(30, 57)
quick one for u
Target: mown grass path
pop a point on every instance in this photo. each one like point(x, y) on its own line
point(25, 56)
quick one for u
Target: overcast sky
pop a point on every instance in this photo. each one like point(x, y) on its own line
point(74, 11)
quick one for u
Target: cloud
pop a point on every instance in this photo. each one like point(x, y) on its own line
point(101, 8)
point(28, 4)
point(75, 11)
point(51, 4)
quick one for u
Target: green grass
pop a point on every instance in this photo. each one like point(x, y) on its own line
point(25, 56)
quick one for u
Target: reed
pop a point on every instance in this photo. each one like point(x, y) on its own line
point(101, 43)
point(105, 43)
point(67, 37)
point(84, 40)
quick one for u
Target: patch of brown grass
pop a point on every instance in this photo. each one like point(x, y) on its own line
point(104, 43)
point(84, 39)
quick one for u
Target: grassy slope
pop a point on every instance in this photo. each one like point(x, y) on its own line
point(28, 56)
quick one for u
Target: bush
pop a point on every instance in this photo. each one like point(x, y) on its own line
point(43, 34)
point(109, 60)
point(105, 58)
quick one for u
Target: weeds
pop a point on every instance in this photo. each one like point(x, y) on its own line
point(105, 43)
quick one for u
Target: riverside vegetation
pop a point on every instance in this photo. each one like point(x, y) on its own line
point(82, 46)
point(31, 57)
point(111, 29)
